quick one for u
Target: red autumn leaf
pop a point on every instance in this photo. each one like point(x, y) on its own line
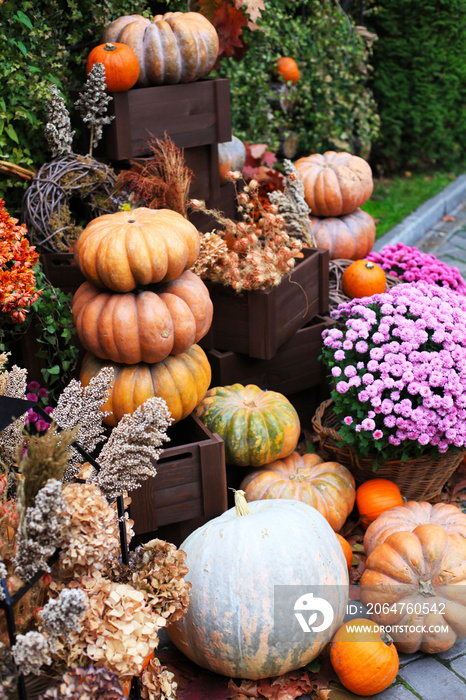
point(229, 23)
point(269, 158)
point(447, 217)
point(256, 151)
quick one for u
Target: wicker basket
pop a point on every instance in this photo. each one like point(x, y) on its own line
point(419, 479)
point(336, 269)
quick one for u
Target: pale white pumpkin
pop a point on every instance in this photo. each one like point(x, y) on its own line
point(235, 562)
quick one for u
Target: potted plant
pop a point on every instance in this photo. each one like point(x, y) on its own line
point(397, 366)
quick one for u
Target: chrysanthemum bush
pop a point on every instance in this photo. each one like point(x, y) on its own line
point(410, 264)
point(398, 369)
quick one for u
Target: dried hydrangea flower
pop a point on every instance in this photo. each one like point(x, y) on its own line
point(85, 684)
point(118, 629)
point(93, 531)
point(128, 457)
point(61, 615)
point(159, 568)
point(45, 527)
point(158, 683)
point(30, 652)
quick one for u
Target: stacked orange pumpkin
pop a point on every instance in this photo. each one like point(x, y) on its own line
point(142, 311)
point(336, 185)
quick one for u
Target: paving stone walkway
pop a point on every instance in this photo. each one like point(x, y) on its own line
point(438, 676)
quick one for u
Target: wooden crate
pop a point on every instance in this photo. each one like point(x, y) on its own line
point(257, 323)
point(293, 368)
point(61, 271)
point(189, 488)
point(191, 114)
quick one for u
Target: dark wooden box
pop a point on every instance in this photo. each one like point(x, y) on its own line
point(191, 114)
point(257, 323)
point(293, 368)
point(62, 271)
point(189, 488)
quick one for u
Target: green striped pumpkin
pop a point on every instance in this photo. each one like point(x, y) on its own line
point(256, 426)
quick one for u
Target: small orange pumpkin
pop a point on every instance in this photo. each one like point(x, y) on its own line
point(120, 63)
point(364, 659)
point(376, 496)
point(288, 68)
point(363, 278)
point(347, 551)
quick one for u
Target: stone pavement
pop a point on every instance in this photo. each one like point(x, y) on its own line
point(438, 227)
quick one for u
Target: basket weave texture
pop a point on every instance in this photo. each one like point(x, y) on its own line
point(419, 479)
point(336, 269)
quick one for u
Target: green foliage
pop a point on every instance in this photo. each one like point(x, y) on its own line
point(419, 82)
point(53, 323)
point(43, 42)
point(331, 105)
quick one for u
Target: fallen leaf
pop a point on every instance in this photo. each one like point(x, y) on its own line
point(194, 682)
point(338, 693)
point(357, 571)
point(447, 217)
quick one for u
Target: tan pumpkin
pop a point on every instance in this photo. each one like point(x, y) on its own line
point(351, 236)
point(415, 582)
point(328, 487)
point(129, 248)
point(177, 47)
point(411, 514)
point(181, 380)
point(146, 326)
point(335, 183)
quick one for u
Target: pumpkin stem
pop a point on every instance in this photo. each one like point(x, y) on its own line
point(426, 589)
point(241, 504)
point(110, 47)
point(369, 265)
point(302, 475)
point(386, 639)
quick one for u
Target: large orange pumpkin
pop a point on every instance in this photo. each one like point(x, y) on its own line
point(411, 514)
point(256, 426)
point(327, 486)
point(335, 183)
point(146, 326)
point(351, 236)
point(177, 47)
point(363, 278)
point(129, 248)
point(120, 63)
point(376, 496)
point(181, 380)
point(241, 565)
point(365, 660)
point(415, 582)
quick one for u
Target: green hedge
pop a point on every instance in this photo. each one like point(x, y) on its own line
point(419, 82)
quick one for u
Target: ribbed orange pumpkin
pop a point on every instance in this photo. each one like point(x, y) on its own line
point(146, 326)
point(231, 156)
point(120, 63)
point(129, 248)
point(327, 486)
point(376, 496)
point(407, 517)
point(256, 426)
point(365, 660)
point(288, 68)
point(416, 583)
point(351, 236)
point(177, 47)
point(335, 183)
point(181, 380)
point(362, 279)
